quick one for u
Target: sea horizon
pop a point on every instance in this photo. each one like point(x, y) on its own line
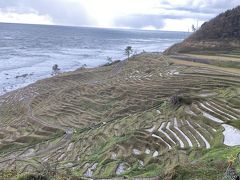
point(96, 27)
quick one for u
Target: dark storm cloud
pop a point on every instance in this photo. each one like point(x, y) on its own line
point(62, 12)
point(140, 21)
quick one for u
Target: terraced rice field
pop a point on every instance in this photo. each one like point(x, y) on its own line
point(230, 60)
point(118, 120)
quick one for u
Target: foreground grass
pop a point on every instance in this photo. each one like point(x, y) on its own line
point(211, 165)
point(207, 164)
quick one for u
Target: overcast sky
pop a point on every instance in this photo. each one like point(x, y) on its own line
point(173, 15)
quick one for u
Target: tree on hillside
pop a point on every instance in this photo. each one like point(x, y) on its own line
point(109, 60)
point(55, 69)
point(193, 28)
point(128, 51)
point(83, 66)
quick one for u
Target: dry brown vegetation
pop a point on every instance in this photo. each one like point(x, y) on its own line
point(117, 120)
point(221, 34)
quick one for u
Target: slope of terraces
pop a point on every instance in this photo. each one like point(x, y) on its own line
point(120, 121)
point(221, 33)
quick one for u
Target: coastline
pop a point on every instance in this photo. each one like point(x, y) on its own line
point(181, 59)
point(29, 54)
point(61, 72)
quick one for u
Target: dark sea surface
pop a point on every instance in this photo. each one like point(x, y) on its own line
point(32, 50)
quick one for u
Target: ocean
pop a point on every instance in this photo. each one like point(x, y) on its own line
point(28, 52)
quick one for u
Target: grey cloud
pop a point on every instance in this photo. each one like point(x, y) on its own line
point(201, 9)
point(196, 9)
point(62, 12)
point(70, 13)
point(140, 21)
point(157, 21)
point(199, 16)
point(206, 11)
point(222, 4)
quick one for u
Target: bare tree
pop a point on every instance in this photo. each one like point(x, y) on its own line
point(128, 51)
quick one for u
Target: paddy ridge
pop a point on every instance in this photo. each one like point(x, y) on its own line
point(149, 116)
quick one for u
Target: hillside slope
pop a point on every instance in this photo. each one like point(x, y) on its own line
point(145, 117)
point(222, 33)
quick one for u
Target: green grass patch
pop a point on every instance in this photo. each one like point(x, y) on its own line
point(150, 170)
point(110, 169)
point(112, 141)
point(235, 123)
point(207, 164)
